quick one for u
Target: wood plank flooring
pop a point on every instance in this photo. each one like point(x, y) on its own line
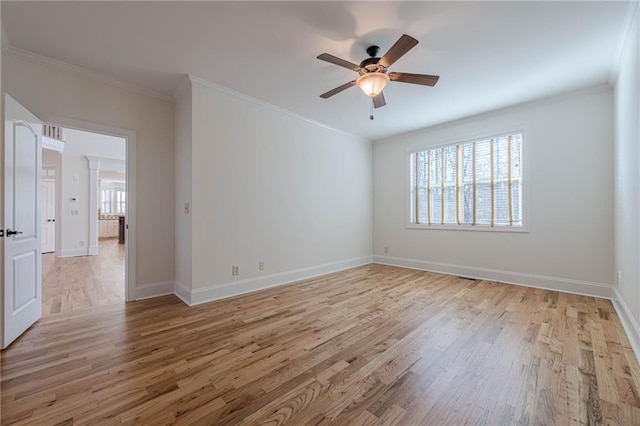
point(70, 283)
point(370, 345)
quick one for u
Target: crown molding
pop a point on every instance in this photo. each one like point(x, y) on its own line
point(633, 16)
point(5, 38)
point(182, 88)
point(273, 107)
point(64, 66)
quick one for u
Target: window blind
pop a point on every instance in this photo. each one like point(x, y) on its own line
point(470, 183)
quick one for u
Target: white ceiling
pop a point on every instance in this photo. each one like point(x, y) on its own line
point(488, 54)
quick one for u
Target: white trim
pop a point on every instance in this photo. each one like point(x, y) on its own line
point(235, 288)
point(6, 44)
point(107, 164)
point(273, 107)
point(52, 144)
point(131, 166)
point(147, 291)
point(74, 252)
point(60, 65)
point(58, 211)
point(467, 227)
point(182, 88)
point(631, 21)
point(182, 292)
point(629, 323)
point(566, 285)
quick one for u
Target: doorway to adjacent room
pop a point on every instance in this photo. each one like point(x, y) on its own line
point(84, 208)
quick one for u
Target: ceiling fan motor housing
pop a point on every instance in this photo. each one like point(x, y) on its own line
point(371, 64)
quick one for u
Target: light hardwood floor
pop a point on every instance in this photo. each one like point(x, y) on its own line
point(370, 345)
point(81, 282)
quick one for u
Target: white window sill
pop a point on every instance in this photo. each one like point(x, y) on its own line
point(480, 228)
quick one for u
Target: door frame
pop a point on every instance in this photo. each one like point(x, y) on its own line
point(58, 211)
point(130, 217)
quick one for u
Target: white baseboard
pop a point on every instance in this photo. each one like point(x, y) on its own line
point(566, 285)
point(94, 250)
point(74, 252)
point(182, 292)
point(629, 323)
point(235, 288)
point(146, 291)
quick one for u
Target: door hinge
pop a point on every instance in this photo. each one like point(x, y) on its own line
point(1, 232)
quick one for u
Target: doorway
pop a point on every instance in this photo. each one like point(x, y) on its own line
point(88, 266)
point(22, 212)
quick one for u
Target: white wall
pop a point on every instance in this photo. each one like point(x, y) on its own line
point(569, 157)
point(269, 186)
point(183, 184)
point(74, 236)
point(52, 91)
point(627, 179)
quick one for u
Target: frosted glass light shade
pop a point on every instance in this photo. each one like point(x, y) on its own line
point(372, 83)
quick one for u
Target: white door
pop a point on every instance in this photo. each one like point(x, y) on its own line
point(48, 216)
point(22, 290)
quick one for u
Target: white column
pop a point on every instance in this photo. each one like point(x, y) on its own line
point(94, 169)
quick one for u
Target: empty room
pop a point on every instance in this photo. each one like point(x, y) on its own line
point(391, 213)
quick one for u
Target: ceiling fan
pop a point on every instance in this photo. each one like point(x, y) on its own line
point(373, 71)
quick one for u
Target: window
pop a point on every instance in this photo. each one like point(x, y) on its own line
point(106, 199)
point(113, 201)
point(469, 184)
point(120, 202)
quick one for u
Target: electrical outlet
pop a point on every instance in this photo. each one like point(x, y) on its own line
point(261, 265)
point(235, 270)
point(186, 208)
point(74, 212)
point(81, 243)
point(386, 250)
point(619, 277)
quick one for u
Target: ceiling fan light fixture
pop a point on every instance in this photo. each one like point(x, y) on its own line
point(372, 83)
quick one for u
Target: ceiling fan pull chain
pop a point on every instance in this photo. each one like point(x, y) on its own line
point(371, 110)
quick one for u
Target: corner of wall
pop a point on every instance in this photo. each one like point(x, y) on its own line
point(182, 292)
point(629, 323)
point(625, 76)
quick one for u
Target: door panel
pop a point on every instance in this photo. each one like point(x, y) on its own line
point(25, 188)
point(48, 215)
point(22, 290)
point(24, 266)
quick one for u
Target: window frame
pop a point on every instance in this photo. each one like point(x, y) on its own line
point(114, 204)
point(419, 147)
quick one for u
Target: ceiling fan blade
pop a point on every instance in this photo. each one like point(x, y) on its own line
point(338, 89)
point(340, 62)
point(402, 46)
point(378, 101)
point(423, 79)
